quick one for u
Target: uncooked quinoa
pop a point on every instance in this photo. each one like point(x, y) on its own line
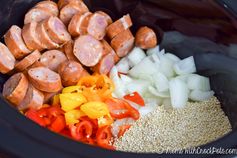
point(172, 129)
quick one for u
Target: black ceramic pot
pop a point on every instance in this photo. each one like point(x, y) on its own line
point(206, 29)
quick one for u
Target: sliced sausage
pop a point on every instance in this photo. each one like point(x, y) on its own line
point(31, 37)
point(105, 64)
point(36, 15)
point(28, 61)
point(33, 99)
point(52, 59)
point(84, 23)
point(88, 50)
point(107, 49)
point(62, 3)
point(119, 26)
point(67, 12)
point(107, 17)
point(7, 60)
point(145, 38)
point(51, 6)
point(14, 89)
point(123, 43)
point(74, 25)
point(70, 72)
point(78, 23)
point(45, 79)
point(44, 37)
point(15, 43)
point(68, 50)
point(97, 26)
point(57, 30)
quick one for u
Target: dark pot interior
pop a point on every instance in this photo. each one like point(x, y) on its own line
point(205, 29)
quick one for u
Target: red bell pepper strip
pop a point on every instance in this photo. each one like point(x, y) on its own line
point(34, 116)
point(123, 129)
point(104, 137)
point(136, 98)
point(121, 109)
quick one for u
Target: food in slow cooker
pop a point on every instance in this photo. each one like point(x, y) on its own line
point(83, 76)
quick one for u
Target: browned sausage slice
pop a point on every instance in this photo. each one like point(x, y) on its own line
point(84, 23)
point(31, 37)
point(70, 72)
point(51, 6)
point(28, 61)
point(36, 15)
point(107, 17)
point(15, 43)
point(105, 64)
point(123, 43)
point(67, 12)
point(74, 25)
point(33, 99)
point(7, 60)
point(62, 3)
point(57, 30)
point(97, 26)
point(107, 49)
point(14, 89)
point(145, 38)
point(88, 50)
point(68, 50)
point(119, 26)
point(44, 37)
point(49, 96)
point(52, 59)
point(45, 79)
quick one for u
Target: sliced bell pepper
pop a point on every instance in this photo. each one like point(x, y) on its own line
point(121, 109)
point(104, 86)
point(70, 101)
point(105, 121)
point(56, 100)
point(95, 110)
point(104, 137)
point(58, 124)
point(123, 129)
point(34, 116)
point(73, 116)
point(136, 98)
point(72, 89)
point(88, 81)
point(82, 130)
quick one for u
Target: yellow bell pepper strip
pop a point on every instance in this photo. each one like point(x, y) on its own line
point(72, 117)
point(88, 81)
point(104, 86)
point(105, 121)
point(95, 110)
point(56, 100)
point(72, 89)
point(70, 101)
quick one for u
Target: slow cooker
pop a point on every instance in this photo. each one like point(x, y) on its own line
point(211, 29)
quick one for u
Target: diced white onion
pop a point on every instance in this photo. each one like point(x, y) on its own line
point(123, 65)
point(172, 57)
point(139, 86)
point(185, 66)
point(166, 66)
point(178, 93)
point(153, 50)
point(197, 95)
point(197, 82)
point(125, 79)
point(118, 123)
point(146, 66)
point(161, 82)
point(147, 109)
point(158, 94)
point(135, 56)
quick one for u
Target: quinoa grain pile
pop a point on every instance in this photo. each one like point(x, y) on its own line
point(168, 129)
